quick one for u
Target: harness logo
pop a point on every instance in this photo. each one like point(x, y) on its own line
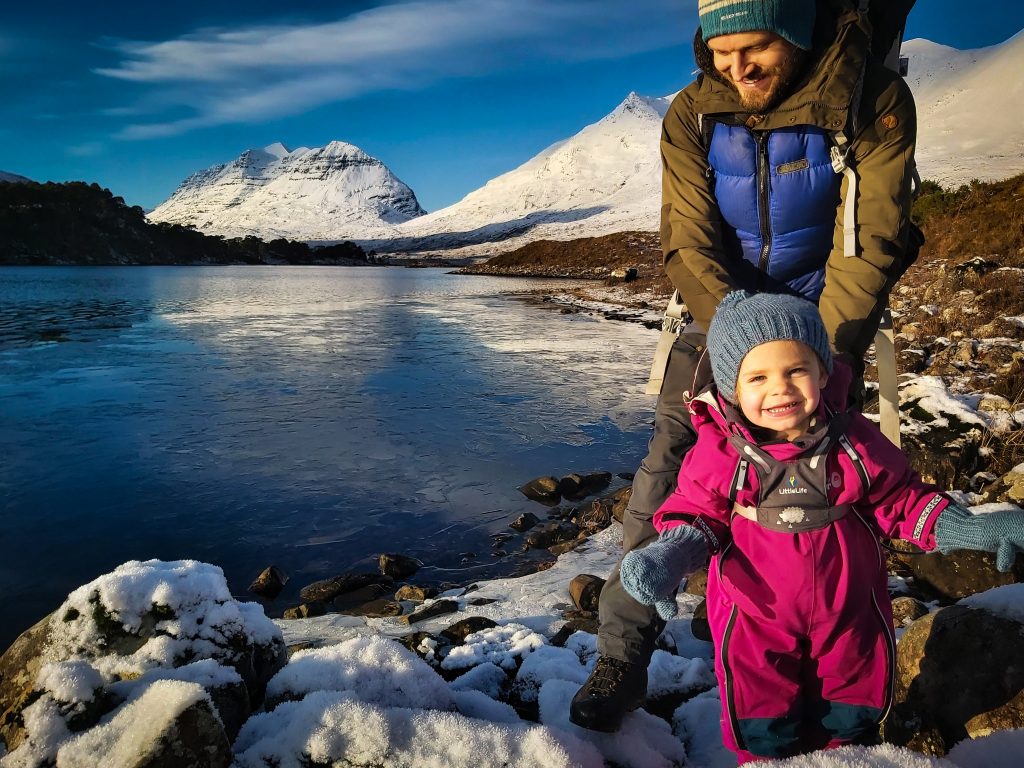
point(792, 487)
point(791, 515)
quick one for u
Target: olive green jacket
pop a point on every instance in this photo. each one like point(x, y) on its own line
point(881, 153)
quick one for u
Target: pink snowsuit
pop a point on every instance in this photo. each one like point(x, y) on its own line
point(802, 621)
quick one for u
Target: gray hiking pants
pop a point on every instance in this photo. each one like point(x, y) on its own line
point(628, 629)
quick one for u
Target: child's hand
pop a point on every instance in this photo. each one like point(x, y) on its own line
point(651, 575)
point(999, 532)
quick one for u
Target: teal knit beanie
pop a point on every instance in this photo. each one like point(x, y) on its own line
point(789, 19)
point(744, 320)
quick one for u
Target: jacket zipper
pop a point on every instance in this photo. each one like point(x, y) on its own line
point(730, 700)
point(890, 647)
point(763, 190)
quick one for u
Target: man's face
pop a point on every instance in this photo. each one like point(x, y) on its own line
point(759, 65)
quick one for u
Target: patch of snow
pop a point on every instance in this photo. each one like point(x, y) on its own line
point(333, 728)
point(1006, 601)
point(1002, 749)
point(501, 645)
point(138, 722)
point(549, 663)
point(374, 669)
point(697, 724)
point(883, 756)
point(643, 741)
point(69, 681)
point(668, 674)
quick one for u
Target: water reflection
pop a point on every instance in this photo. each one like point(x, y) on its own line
point(311, 417)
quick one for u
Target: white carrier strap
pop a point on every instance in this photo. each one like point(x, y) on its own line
point(888, 384)
point(885, 347)
point(671, 326)
point(840, 151)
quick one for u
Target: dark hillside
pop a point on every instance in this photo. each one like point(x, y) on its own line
point(78, 223)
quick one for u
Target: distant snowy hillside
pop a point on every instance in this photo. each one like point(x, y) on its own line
point(970, 110)
point(13, 177)
point(335, 192)
point(606, 178)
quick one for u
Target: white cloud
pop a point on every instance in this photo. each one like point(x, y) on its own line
point(250, 73)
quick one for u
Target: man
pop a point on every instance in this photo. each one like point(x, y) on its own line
point(787, 167)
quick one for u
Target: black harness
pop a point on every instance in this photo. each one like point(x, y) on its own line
point(793, 494)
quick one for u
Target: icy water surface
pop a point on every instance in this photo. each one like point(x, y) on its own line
point(305, 416)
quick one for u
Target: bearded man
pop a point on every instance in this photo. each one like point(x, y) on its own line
point(787, 167)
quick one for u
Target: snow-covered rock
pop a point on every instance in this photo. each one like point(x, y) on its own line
point(13, 178)
point(334, 192)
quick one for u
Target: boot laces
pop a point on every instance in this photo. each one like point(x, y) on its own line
point(608, 674)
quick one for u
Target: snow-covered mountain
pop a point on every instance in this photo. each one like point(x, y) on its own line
point(326, 193)
point(606, 178)
point(970, 110)
point(13, 177)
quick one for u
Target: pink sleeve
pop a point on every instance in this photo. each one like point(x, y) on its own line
point(904, 506)
point(698, 499)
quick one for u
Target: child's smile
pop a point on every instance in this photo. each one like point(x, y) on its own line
point(779, 387)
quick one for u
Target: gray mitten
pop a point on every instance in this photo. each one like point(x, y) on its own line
point(651, 575)
point(999, 532)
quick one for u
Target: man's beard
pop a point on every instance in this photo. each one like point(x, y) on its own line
point(786, 73)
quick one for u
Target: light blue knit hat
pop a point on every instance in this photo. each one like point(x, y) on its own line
point(744, 320)
point(789, 19)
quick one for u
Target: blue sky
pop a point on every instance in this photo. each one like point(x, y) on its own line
point(448, 93)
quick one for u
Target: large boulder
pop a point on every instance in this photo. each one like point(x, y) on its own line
point(19, 667)
point(959, 674)
point(958, 574)
point(143, 622)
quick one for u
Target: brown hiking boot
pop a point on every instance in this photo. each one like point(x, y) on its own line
point(613, 689)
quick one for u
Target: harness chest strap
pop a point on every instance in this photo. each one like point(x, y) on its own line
point(792, 495)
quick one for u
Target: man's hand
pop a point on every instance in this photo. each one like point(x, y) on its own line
point(652, 575)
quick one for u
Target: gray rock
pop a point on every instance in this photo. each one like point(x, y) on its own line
point(907, 610)
point(269, 583)
point(415, 593)
point(960, 573)
point(697, 583)
point(398, 566)
point(585, 591)
point(18, 669)
point(305, 611)
point(326, 590)
point(959, 674)
point(576, 487)
point(456, 634)
point(437, 608)
point(543, 490)
point(524, 522)
point(551, 534)
point(620, 500)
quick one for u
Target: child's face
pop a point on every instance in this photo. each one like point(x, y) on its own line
point(779, 387)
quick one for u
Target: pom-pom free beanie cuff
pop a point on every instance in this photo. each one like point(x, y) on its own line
point(792, 20)
point(745, 320)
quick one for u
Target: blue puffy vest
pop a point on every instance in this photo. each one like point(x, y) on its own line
point(778, 194)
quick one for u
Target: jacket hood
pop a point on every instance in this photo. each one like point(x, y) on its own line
point(822, 96)
point(710, 408)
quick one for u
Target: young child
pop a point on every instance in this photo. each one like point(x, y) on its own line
point(789, 495)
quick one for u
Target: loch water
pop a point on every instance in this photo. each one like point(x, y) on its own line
point(310, 417)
